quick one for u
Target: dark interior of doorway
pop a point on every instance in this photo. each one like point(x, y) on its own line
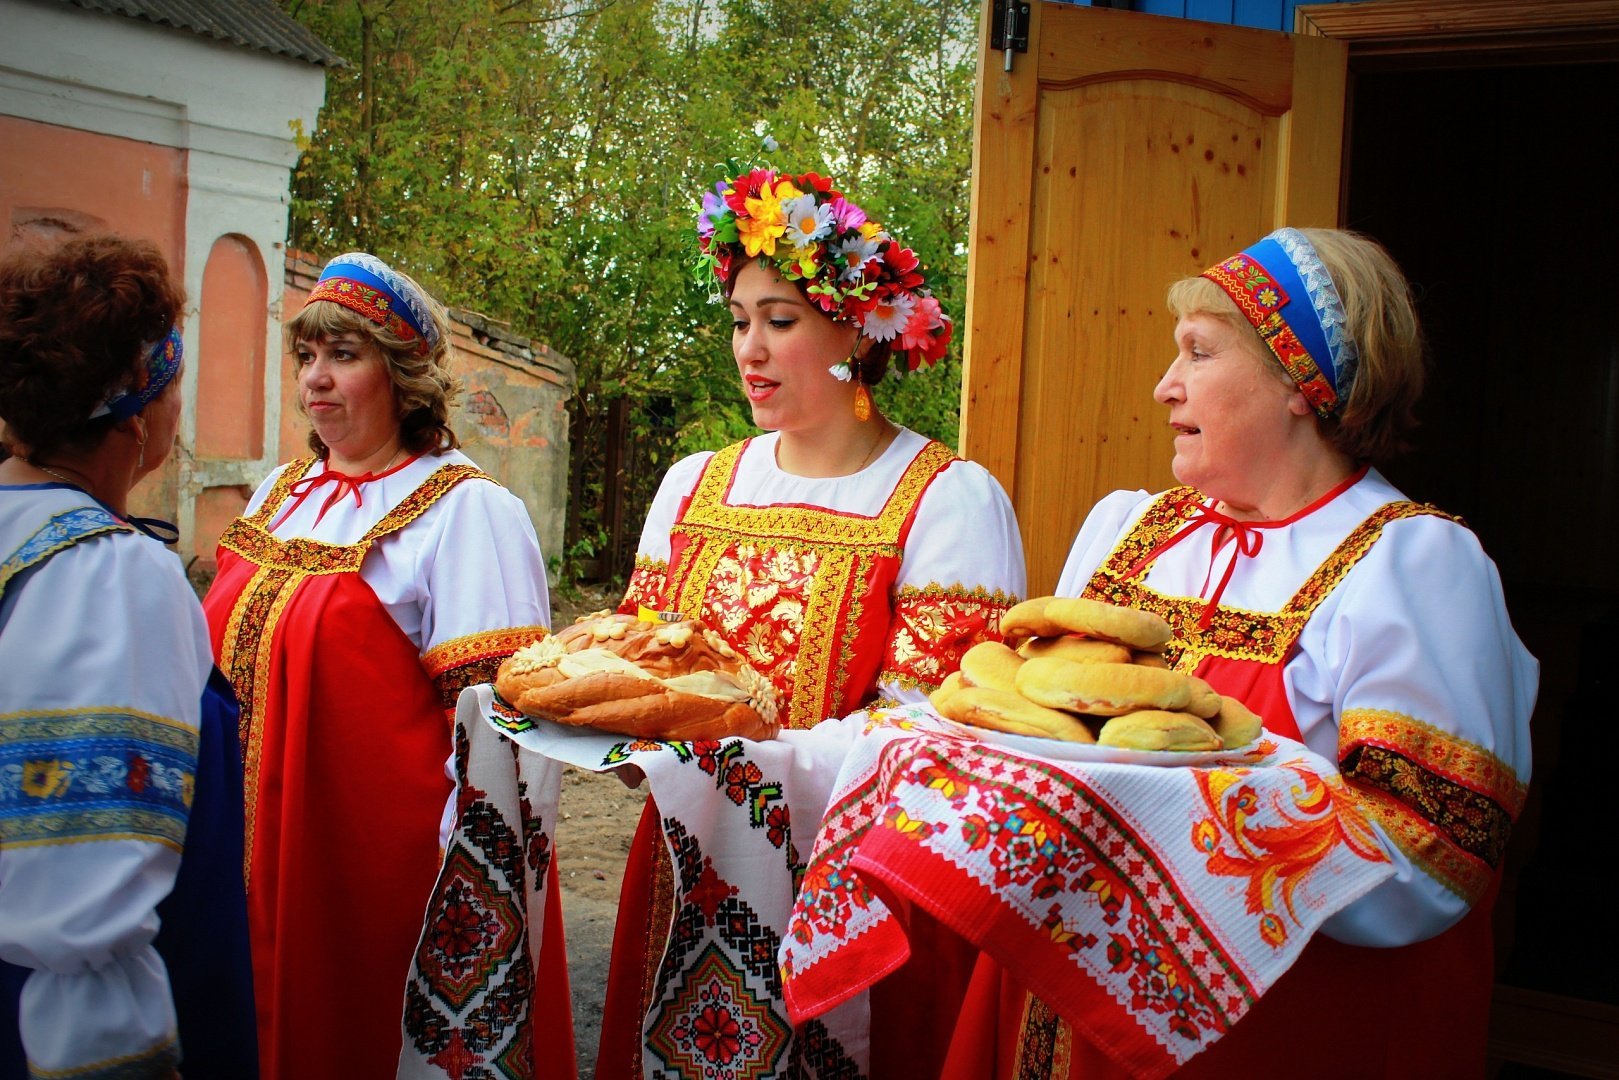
point(1495, 189)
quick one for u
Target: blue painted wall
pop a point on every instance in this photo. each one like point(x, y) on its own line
point(1265, 14)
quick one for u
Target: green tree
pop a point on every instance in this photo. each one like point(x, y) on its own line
point(541, 161)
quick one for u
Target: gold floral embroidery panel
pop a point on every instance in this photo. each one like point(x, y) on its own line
point(649, 583)
point(934, 626)
point(787, 585)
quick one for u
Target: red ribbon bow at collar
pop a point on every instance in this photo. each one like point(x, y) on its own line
point(342, 484)
point(1249, 537)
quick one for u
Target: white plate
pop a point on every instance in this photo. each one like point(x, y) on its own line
point(1060, 750)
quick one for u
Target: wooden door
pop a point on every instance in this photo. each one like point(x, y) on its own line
point(1122, 152)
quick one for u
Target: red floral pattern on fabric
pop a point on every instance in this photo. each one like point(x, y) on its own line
point(1044, 835)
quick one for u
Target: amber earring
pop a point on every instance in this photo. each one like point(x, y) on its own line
point(862, 402)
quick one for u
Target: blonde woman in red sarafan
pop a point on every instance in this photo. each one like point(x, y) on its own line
point(1298, 580)
point(846, 558)
point(359, 592)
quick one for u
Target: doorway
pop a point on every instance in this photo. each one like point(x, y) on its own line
point(1493, 188)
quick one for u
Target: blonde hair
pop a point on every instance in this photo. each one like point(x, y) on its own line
point(424, 388)
point(1377, 419)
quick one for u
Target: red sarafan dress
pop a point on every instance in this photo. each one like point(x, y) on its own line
point(349, 617)
point(1374, 630)
point(841, 591)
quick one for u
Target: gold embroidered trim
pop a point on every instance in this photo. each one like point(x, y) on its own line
point(245, 658)
point(1448, 803)
point(933, 626)
point(1458, 760)
point(467, 661)
point(709, 514)
point(482, 645)
point(847, 546)
point(251, 539)
point(281, 490)
point(1233, 632)
point(183, 733)
point(1416, 836)
point(1044, 1044)
point(160, 1059)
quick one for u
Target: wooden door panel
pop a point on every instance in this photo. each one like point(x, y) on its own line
point(1168, 177)
point(1128, 151)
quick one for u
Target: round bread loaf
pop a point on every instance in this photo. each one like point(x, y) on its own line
point(991, 664)
point(1158, 729)
point(1102, 689)
point(1080, 650)
point(1000, 710)
point(616, 673)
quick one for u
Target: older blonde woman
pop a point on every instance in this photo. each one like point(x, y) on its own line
point(1372, 628)
point(360, 591)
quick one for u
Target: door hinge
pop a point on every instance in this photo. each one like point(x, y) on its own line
point(1009, 29)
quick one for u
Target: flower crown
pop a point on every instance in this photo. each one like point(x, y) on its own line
point(851, 268)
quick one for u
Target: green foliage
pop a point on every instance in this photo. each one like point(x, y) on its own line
point(542, 161)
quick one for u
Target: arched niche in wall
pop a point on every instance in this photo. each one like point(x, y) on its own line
point(230, 364)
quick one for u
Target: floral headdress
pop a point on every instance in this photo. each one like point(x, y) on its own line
point(851, 268)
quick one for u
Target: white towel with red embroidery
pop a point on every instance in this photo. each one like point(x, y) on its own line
point(1149, 904)
point(739, 818)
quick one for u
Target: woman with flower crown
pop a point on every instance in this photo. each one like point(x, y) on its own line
point(361, 590)
point(848, 559)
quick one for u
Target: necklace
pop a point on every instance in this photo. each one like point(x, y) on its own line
point(882, 432)
point(60, 476)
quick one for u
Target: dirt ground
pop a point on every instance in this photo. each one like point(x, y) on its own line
point(599, 815)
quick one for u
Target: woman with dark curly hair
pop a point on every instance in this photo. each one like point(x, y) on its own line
point(123, 933)
point(360, 591)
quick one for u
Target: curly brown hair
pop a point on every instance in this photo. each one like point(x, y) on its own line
point(74, 321)
point(423, 386)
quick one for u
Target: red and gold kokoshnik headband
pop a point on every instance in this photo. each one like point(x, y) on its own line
point(1284, 291)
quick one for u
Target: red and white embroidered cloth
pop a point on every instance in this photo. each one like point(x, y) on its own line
point(729, 809)
point(1149, 905)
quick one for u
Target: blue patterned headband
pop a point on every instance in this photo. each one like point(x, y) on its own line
point(162, 362)
point(1283, 289)
point(369, 287)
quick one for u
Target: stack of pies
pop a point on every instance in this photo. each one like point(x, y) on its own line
point(1088, 672)
point(645, 679)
